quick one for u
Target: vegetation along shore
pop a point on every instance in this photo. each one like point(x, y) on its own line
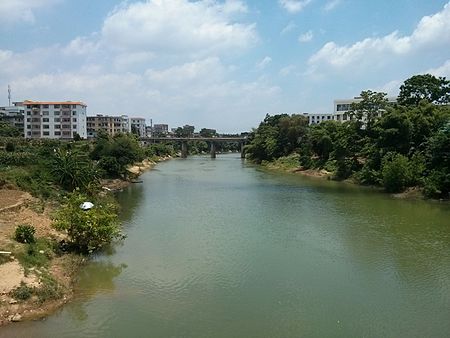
point(402, 146)
point(45, 236)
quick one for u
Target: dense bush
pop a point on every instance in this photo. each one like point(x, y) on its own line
point(25, 233)
point(16, 158)
point(22, 292)
point(395, 172)
point(87, 230)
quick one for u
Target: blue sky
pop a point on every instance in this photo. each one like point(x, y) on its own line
point(217, 64)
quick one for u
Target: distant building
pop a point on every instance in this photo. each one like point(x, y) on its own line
point(14, 116)
point(160, 129)
point(343, 106)
point(137, 125)
point(54, 119)
point(112, 125)
point(314, 118)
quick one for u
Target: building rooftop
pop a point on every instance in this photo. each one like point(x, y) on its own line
point(28, 102)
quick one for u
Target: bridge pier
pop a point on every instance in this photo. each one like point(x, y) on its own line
point(213, 150)
point(242, 150)
point(184, 149)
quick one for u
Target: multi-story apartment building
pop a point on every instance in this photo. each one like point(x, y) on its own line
point(54, 119)
point(137, 125)
point(160, 129)
point(13, 115)
point(110, 124)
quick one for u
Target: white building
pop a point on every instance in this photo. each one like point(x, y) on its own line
point(55, 120)
point(343, 106)
point(314, 118)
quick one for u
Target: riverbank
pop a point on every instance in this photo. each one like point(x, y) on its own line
point(27, 290)
point(35, 284)
point(289, 164)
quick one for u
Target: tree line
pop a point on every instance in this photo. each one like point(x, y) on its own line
point(394, 145)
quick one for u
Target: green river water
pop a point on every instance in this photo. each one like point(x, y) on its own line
point(220, 248)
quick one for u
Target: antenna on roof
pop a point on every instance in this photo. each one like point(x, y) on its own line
point(9, 96)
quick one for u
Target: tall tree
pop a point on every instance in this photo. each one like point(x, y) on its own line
point(370, 107)
point(424, 87)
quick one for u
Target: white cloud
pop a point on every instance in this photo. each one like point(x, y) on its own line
point(294, 6)
point(172, 27)
point(443, 70)
point(391, 88)
point(332, 4)
point(431, 32)
point(306, 37)
point(263, 63)
point(285, 71)
point(22, 10)
point(288, 28)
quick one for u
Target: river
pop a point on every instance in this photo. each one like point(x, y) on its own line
point(221, 248)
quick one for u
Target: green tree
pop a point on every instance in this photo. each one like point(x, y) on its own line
point(424, 87)
point(370, 107)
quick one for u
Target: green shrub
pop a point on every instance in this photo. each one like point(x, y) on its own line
point(87, 230)
point(22, 292)
point(437, 185)
point(25, 233)
point(395, 172)
point(10, 147)
point(49, 290)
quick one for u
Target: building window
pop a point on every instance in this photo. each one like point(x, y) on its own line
point(45, 120)
point(28, 119)
point(74, 106)
point(46, 133)
point(57, 106)
point(28, 112)
point(57, 133)
point(57, 119)
point(74, 119)
point(45, 112)
point(45, 126)
point(74, 113)
point(344, 117)
point(74, 126)
point(28, 126)
point(45, 106)
point(57, 126)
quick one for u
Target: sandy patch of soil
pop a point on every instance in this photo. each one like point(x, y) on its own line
point(12, 275)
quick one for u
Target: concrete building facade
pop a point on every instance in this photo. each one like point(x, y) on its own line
point(54, 119)
point(112, 125)
point(137, 124)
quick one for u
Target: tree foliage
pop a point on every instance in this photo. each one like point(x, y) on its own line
point(395, 146)
point(424, 87)
point(114, 154)
point(87, 230)
point(71, 169)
